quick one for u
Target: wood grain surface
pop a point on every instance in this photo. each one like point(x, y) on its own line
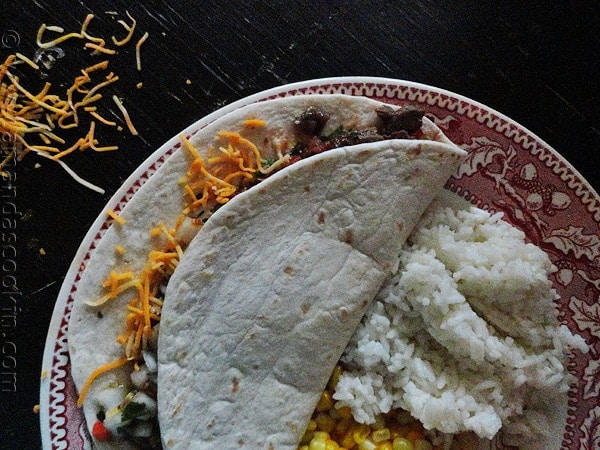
point(537, 62)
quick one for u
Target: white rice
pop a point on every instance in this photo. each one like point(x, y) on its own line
point(465, 334)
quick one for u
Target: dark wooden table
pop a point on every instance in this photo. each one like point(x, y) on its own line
point(537, 62)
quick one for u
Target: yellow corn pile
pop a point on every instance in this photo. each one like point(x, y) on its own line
point(335, 429)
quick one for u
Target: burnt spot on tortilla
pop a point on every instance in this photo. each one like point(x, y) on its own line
point(305, 308)
point(415, 151)
point(364, 304)
point(307, 188)
point(177, 409)
point(400, 226)
point(235, 385)
point(241, 442)
point(348, 237)
point(321, 217)
point(289, 270)
point(211, 423)
point(344, 313)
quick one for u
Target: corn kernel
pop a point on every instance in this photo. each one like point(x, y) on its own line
point(325, 402)
point(312, 425)
point(317, 445)
point(380, 435)
point(379, 423)
point(335, 377)
point(345, 412)
point(367, 445)
point(307, 437)
point(347, 440)
point(385, 445)
point(321, 436)
point(303, 447)
point(342, 425)
point(398, 430)
point(360, 433)
point(325, 422)
point(330, 444)
point(402, 444)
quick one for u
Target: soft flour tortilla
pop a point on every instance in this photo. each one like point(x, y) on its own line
point(270, 291)
point(92, 331)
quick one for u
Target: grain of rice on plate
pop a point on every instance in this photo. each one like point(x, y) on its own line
point(465, 336)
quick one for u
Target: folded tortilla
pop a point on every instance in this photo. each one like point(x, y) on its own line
point(93, 330)
point(270, 291)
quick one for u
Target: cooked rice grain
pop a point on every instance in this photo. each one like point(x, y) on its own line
point(465, 334)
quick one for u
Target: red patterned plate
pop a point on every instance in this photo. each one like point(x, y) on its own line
point(508, 169)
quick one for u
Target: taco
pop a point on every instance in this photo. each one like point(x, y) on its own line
point(271, 289)
point(348, 174)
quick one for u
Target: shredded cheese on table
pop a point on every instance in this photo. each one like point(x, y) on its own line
point(126, 117)
point(138, 46)
point(25, 116)
point(129, 28)
point(27, 60)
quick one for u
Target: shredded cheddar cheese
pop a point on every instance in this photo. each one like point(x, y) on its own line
point(105, 122)
point(215, 180)
point(210, 180)
point(55, 41)
point(254, 123)
point(100, 48)
point(27, 60)
point(126, 117)
point(208, 183)
point(95, 374)
point(27, 116)
point(129, 28)
point(115, 216)
point(138, 58)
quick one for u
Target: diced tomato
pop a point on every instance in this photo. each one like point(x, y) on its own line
point(100, 432)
